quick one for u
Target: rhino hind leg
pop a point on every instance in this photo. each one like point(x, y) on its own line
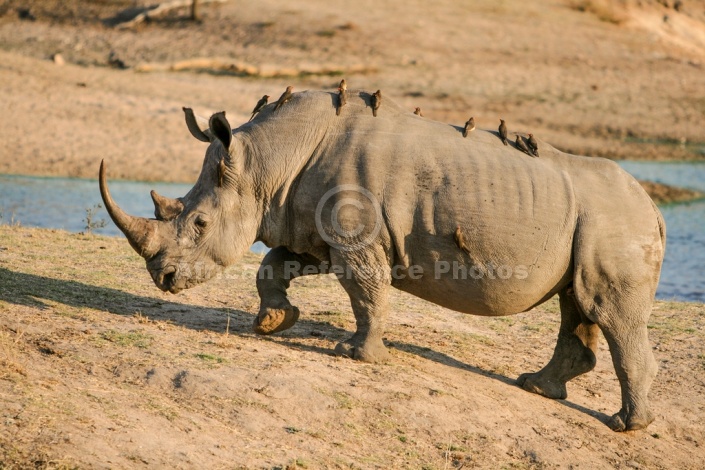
point(636, 368)
point(279, 267)
point(618, 297)
point(574, 353)
point(366, 280)
point(627, 336)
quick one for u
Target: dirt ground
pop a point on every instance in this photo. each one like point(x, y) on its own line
point(592, 77)
point(99, 369)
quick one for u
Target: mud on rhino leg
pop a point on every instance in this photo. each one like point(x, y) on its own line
point(574, 353)
point(366, 278)
point(279, 267)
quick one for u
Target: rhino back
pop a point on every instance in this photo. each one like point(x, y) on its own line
point(515, 211)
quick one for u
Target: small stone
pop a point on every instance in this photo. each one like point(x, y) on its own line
point(58, 59)
point(26, 14)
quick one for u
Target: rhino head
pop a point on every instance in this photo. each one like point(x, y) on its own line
point(193, 237)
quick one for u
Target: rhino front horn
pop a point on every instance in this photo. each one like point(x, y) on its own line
point(140, 232)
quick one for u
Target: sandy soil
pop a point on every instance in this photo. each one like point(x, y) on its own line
point(99, 369)
point(622, 83)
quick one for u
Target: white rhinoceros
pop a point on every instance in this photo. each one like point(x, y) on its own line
point(381, 200)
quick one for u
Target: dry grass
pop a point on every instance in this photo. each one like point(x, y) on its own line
point(10, 355)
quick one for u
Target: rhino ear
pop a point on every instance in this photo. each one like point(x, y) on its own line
point(193, 126)
point(221, 128)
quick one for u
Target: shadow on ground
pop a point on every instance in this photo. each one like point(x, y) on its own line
point(41, 292)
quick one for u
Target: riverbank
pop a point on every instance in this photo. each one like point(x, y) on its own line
point(73, 82)
point(99, 368)
point(665, 194)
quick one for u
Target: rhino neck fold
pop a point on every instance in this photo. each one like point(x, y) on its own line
point(278, 149)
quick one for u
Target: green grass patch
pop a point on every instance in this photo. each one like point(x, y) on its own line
point(132, 338)
point(210, 358)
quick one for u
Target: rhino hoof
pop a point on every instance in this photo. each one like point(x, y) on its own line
point(273, 320)
point(373, 355)
point(535, 383)
point(620, 423)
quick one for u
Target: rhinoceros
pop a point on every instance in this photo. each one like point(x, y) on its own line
point(381, 201)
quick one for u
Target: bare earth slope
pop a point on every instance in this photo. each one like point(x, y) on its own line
point(99, 369)
point(622, 84)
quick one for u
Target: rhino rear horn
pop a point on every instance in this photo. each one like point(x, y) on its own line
point(166, 208)
point(193, 126)
point(221, 128)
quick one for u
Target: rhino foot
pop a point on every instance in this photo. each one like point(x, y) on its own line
point(621, 421)
point(537, 383)
point(373, 352)
point(273, 320)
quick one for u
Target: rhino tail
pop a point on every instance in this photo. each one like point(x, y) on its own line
point(661, 224)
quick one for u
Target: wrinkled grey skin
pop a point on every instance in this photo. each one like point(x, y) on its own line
point(579, 227)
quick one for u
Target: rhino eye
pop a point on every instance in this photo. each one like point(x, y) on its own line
point(200, 222)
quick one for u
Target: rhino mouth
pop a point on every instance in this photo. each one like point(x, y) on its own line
point(171, 279)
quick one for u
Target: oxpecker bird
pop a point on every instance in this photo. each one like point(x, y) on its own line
point(503, 132)
point(376, 102)
point(258, 107)
point(469, 126)
point(521, 145)
point(533, 145)
point(286, 96)
point(342, 96)
point(460, 240)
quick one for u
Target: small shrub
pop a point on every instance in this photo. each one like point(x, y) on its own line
point(11, 221)
point(91, 223)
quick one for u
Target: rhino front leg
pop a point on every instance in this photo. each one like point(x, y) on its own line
point(366, 278)
point(279, 267)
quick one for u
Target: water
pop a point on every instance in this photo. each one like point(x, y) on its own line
point(62, 203)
